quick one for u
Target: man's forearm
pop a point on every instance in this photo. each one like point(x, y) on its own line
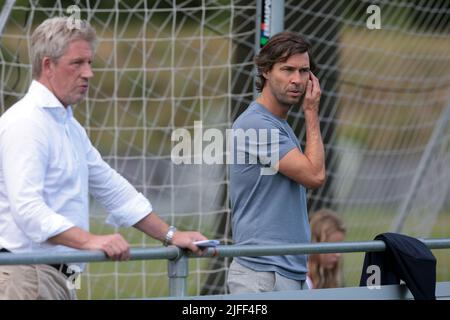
point(314, 149)
point(73, 238)
point(114, 245)
point(153, 226)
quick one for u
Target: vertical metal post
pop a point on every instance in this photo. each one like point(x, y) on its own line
point(258, 24)
point(7, 7)
point(269, 21)
point(258, 31)
point(178, 270)
point(276, 17)
point(4, 14)
point(405, 206)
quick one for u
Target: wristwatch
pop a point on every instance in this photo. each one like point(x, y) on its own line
point(169, 236)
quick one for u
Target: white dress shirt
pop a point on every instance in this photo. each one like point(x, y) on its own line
point(47, 168)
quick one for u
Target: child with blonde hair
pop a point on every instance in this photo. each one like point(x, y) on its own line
point(325, 270)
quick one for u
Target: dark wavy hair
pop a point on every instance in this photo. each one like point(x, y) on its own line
point(279, 48)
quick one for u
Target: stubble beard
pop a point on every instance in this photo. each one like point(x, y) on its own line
point(284, 100)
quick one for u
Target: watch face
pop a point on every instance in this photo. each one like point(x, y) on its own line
point(169, 235)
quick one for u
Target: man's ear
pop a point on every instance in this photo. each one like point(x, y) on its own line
point(47, 67)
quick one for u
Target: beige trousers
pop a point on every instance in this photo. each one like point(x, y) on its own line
point(245, 280)
point(34, 282)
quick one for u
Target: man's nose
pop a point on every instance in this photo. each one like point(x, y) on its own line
point(296, 78)
point(87, 72)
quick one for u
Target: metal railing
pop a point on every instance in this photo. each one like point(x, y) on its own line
point(178, 259)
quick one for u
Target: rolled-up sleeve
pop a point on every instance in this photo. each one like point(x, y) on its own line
point(24, 153)
point(131, 212)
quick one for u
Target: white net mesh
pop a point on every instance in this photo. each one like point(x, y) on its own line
point(161, 65)
point(385, 93)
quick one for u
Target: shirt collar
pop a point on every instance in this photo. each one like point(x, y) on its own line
point(44, 98)
point(257, 106)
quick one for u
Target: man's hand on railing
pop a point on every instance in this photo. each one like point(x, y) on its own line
point(155, 227)
point(114, 245)
point(185, 240)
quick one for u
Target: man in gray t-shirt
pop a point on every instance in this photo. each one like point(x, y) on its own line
point(269, 172)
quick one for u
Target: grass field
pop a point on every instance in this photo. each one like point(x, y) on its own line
point(136, 279)
point(133, 279)
point(353, 261)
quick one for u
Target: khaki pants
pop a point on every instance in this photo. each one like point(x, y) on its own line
point(244, 280)
point(34, 282)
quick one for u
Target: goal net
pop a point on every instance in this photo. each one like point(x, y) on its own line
point(164, 65)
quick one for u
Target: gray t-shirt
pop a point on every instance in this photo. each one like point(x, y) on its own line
point(267, 209)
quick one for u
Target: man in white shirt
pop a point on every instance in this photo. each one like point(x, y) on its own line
point(48, 166)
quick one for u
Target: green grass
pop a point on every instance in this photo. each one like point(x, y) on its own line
point(133, 279)
point(359, 229)
point(137, 279)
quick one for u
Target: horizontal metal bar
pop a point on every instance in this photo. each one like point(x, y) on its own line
point(174, 253)
point(170, 253)
point(312, 248)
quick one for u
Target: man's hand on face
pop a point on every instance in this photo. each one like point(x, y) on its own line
point(312, 95)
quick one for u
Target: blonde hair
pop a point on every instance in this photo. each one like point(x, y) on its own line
point(52, 37)
point(324, 223)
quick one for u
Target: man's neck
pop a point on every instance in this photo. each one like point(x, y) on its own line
point(270, 103)
point(49, 86)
